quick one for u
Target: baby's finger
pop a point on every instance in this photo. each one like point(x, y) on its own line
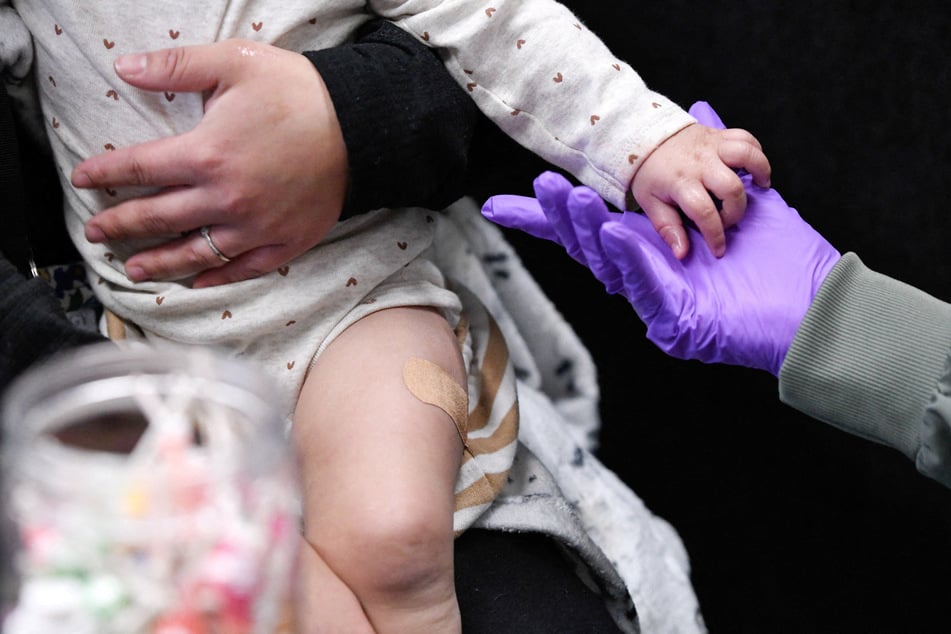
point(697, 204)
point(669, 225)
point(740, 154)
point(741, 135)
point(727, 188)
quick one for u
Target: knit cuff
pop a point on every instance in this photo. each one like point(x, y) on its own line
point(868, 355)
point(406, 123)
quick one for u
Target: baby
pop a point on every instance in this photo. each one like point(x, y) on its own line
point(366, 336)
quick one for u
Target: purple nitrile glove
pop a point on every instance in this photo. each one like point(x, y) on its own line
point(741, 309)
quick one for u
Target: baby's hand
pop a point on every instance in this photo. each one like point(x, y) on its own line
point(694, 172)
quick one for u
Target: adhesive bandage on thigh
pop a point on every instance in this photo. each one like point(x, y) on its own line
point(433, 385)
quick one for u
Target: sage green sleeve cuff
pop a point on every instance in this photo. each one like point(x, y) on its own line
point(868, 358)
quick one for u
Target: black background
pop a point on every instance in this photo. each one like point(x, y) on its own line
point(791, 526)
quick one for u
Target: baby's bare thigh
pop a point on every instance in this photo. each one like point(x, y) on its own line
point(361, 432)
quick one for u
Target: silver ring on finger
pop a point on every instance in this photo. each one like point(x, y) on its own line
point(206, 232)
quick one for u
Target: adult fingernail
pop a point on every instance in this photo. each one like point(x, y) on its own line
point(129, 65)
point(81, 180)
point(136, 274)
point(95, 234)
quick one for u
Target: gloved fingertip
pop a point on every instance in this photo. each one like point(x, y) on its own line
point(519, 212)
point(587, 197)
point(551, 185)
point(704, 113)
point(552, 191)
point(488, 208)
point(507, 205)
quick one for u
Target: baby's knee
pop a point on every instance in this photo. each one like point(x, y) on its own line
point(403, 553)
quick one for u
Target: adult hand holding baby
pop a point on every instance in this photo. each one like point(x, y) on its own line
point(266, 167)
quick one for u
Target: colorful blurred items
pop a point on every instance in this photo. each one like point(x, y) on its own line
point(150, 491)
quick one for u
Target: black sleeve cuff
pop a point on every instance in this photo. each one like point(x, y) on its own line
point(406, 123)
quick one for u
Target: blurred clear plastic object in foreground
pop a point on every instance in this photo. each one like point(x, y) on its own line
point(146, 491)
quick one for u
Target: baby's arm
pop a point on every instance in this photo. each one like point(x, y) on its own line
point(552, 85)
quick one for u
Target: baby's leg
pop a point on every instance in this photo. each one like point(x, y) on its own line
point(379, 467)
point(322, 602)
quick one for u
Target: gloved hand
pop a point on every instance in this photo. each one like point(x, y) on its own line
point(741, 309)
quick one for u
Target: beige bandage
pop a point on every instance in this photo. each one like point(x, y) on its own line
point(433, 385)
